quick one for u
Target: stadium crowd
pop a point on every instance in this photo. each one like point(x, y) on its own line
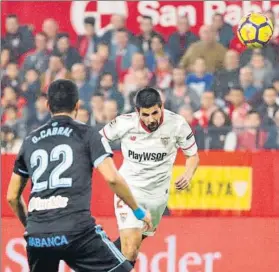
point(228, 94)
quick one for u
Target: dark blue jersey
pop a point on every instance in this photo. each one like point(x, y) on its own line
point(59, 158)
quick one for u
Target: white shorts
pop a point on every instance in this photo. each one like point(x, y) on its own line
point(125, 216)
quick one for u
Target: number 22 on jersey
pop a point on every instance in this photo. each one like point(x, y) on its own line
point(41, 159)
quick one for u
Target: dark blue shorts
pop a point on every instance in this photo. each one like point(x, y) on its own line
point(87, 251)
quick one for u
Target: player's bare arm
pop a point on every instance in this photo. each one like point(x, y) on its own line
point(120, 188)
point(192, 163)
point(15, 199)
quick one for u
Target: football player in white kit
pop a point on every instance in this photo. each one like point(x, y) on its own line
point(150, 138)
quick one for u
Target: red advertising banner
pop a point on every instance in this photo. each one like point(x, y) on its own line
point(255, 174)
point(181, 245)
point(70, 15)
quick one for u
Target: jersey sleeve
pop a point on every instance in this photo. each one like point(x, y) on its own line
point(20, 166)
point(186, 139)
point(99, 148)
point(116, 128)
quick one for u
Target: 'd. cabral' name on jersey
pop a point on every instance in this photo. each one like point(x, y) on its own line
point(145, 156)
point(64, 131)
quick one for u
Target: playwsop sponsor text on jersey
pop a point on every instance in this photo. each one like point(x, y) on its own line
point(146, 156)
point(54, 202)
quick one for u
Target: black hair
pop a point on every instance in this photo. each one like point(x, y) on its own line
point(236, 87)
point(253, 111)
point(269, 87)
point(62, 96)
point(122, 30)
point(227, 121)
point(13, 16)
point(162, 41)
point(63, 35)
point(147, 98)
point(89, 21)
point(12, 107)
point(147, 17)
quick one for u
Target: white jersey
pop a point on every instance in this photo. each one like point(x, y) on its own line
point(149, 156)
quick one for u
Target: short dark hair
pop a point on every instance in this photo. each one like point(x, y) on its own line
point(147, 98)
point(236, 88)
point(12, 16)
point(12, 107)
point(124, 30)
point(62, 96)
point(89, 21)
point(253, 111)
point(147, 17)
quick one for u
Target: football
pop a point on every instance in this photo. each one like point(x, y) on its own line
point(255, 30)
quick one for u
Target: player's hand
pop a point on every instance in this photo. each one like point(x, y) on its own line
point(147, 222)
point(183, 182)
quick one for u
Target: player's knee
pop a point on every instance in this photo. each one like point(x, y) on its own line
point(130, 251)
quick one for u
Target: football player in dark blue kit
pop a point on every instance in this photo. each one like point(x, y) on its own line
point(59, 157)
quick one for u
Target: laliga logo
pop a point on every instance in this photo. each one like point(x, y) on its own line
point(78, 12)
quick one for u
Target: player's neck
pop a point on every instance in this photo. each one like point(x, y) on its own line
point(71, 115)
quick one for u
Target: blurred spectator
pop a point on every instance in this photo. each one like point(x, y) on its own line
point(262, 70)
point(11, 77)
point(39, 59)
point(110, 113)
point(219, 134)
point(68, 53)
point(40, 115)
point(138, 64)
point(268, 108)
point(269, 51)
point(5, 59)
point(87, 44)
point(146, 33)
point(96, 70)
point(199, 80)
point(97, 117)
point(181, 39)
point(187, 113)
point(246, 82)
point(110, 110)
point(157, 51)
point(12, 98)
point(273, 135)
point(31, 87)
point(10, 143)
point(56, 70)
point(275, 83)
point(107, 88)
point(208, 106)
point(117, 22)
point(83, 115)
point(163, 73)
point(13, 121)
point(238, 108)
point(103, 55)
point(275, 38)
point(224, 31)
point(253, 137)
point(208, 48)
point(180, 95)
point(122, 52)
point(50, 28)
point(228, 76)
point(103, 52)
point(78, 75)
point(18, 38)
